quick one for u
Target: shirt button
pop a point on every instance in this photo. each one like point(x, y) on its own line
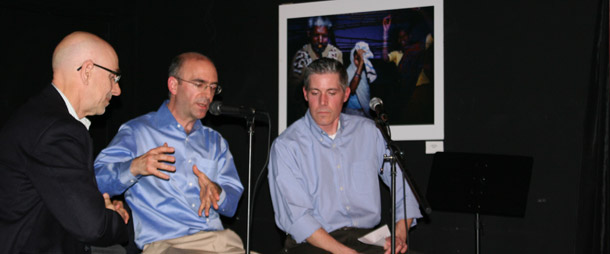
point(341, 188)
point(178, 125)
point(338, 166)
point(321, 139)
point(192, 205)
point(187, 140)
point(190, 184)
point(190, 161)
point(132, 181)
point(356, 223)
point(347, 207)
point(334, 145)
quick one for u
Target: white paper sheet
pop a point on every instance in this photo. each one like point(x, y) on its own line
point(377, 236)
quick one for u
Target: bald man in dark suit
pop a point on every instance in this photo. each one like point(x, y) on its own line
point(49, 200)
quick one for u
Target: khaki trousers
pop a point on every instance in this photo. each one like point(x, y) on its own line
point(204, 242)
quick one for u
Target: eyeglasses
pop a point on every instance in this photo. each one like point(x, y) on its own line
point(117, 75)
point(215, 88)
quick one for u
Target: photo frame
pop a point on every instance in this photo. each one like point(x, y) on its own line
point(403, 66)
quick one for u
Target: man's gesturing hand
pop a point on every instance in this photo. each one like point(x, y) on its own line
point(116, 206)
point(153, 160)
point(209, 193)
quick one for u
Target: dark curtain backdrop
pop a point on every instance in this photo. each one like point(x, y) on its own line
point(594, 214)
point(521, 77)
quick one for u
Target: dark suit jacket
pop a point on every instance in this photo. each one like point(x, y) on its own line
point(49, 201)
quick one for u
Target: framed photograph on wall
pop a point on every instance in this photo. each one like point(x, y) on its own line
point(399, 45)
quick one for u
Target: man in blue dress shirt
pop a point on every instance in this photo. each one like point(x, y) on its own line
point(177, 175)
point(323, 173)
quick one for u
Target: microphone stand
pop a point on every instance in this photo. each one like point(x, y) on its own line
point(250, 123)
point(396, 156)
point(392, 160)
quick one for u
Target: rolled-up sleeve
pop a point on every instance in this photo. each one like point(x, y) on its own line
point(291, 200)
point(112, 165)
point(228, 180)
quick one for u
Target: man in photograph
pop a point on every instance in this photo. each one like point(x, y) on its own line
point(318, 46)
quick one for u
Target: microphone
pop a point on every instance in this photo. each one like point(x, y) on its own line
point(377, 105)
point(217, 108)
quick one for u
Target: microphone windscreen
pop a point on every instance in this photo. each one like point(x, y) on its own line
point(215, 108)
point(375, 102)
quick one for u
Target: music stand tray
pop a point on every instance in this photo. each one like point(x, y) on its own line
point(480, 184)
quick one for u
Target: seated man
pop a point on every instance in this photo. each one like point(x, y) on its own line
point(171, 168)
point(323, 173)
point(49, 202)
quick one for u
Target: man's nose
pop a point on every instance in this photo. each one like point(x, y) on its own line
point(116, 90)
point(324, 99)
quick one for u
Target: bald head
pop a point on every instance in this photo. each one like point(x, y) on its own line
point(84, 67)
point(78, 47)
point(176, 64)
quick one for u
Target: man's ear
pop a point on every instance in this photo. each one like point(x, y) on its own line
point(85, 71)
point(346, 94)
point(172, 85)
point(305, 93)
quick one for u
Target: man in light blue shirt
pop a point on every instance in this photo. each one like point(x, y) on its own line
point(323, 173)
point(177, 175)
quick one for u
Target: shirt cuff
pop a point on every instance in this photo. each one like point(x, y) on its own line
point(223, 196)
point(125, 176)
point(412, 213)
point(304, 228)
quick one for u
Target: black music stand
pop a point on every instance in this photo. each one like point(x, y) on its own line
point(479, 184)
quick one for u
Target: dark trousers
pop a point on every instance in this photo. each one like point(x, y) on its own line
point(346, 236)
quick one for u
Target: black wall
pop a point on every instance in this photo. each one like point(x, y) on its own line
point(517, 75)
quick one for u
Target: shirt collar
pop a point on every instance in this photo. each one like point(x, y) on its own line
point(338, 128)
point(316, 130)
point(86, 122)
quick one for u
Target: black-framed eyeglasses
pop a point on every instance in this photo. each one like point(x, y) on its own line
point(117, 75)
point(215, 88)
